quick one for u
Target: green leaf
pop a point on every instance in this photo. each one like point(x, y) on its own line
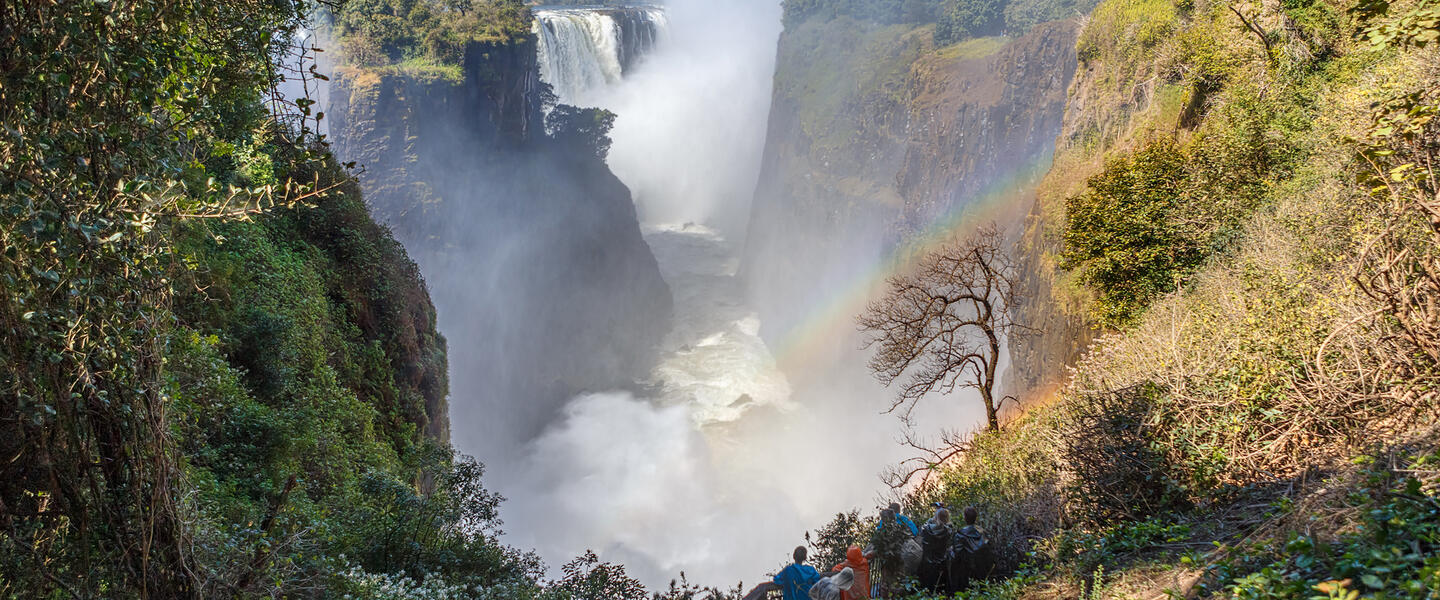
point(1372, 581)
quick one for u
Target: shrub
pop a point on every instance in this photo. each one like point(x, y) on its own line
point(829, 544)
point(1116, 471)
point(584, 128)
point(1128, 236)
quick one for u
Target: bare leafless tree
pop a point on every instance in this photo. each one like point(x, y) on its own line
point(943, 321)
point(952, 443)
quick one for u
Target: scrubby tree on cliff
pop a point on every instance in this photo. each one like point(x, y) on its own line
point(942, 323)
point(584, 128)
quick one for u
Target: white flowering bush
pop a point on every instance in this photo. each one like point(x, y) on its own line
point(361, 585)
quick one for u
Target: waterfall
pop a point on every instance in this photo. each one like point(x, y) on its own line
point(583, 50)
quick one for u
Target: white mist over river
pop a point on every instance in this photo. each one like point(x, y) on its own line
point(719, 464)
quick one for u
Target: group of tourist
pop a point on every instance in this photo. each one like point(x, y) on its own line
point(938, 558)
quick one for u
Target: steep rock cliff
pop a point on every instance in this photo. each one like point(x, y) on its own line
point(516, 232)
point(876, 136)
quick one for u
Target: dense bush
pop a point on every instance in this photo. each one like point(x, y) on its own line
point(113, 114)
point(1153, 216)
point(830, 542)
point(221, 376)
point(1116, 469)
point(1129, 235)
point(587, 129)
point(959, 20)
point(963, 19)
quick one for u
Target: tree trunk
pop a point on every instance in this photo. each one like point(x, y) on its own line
point(987, 385)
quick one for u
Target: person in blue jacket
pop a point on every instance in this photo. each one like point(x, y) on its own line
point(793, 581)
point(894, 510)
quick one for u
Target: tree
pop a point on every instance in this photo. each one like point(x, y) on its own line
point(587, 129)
point(943, 322)
point(1133, 235)
point(586, 578)
point(118, 119)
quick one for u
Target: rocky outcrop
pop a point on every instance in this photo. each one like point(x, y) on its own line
point(531, 248)
point(914, 138)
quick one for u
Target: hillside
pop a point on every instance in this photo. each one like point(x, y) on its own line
point(1240, 206)
point(222, 373)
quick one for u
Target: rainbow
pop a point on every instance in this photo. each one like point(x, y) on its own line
point(833, 317)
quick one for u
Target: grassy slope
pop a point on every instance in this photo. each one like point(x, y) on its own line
point(1223, 411)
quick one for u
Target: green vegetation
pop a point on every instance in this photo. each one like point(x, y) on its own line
point(889, 12)
point(1129, 234)
point(425, 34)
point(587, 129)
point(221, 378)
point(109, 144)
point(1152, 217)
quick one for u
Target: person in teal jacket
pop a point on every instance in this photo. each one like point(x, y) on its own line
point(793, 581)
point(899, 518)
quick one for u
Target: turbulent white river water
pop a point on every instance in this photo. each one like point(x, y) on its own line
point(714, 360)
point(683, 479)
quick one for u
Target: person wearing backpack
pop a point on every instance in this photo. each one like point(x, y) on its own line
point(971, 557)
point(935, 549)
point(833, 587)
point(793, 581)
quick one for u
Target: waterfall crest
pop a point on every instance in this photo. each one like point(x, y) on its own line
point(582, 50)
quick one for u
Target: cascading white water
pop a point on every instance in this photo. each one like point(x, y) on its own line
point(583, 50)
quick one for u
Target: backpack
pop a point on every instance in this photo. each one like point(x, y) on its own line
point(910, 555)
point(824, 591)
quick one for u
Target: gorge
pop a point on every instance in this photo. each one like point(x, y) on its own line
point(493, 300)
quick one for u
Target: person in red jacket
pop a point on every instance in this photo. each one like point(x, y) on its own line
point(855, 560)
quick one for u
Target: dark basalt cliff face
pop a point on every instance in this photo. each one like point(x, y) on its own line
point(532, 249)
point(911, 137)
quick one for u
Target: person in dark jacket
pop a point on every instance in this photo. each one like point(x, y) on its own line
point(935, 538)
point(970, 554)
